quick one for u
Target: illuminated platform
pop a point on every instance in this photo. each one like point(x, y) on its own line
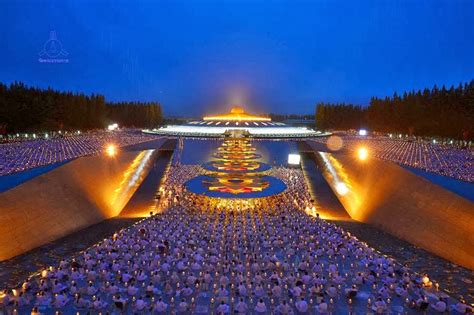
point(237, 114)
point(230, 167)
point(198, 185)
point(241, 156)
point(237, 119)
point(236, 172)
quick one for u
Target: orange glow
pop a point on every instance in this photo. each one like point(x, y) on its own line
point(235, 166)
point(342, 189)
point(132, 178)
point(334, 143)
point(339, 180)
point(236, 184)
point(237, 114)
point(236, 155)
point(362, 154)
point(111, 150)
point(324, 214)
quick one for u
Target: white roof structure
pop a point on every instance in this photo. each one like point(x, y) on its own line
point(237, 119)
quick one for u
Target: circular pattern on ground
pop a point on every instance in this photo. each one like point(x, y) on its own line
point(237, 156)
point(209, 166)
point(196, 185)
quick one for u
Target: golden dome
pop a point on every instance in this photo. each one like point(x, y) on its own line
point(237, 110)
point(237, 113)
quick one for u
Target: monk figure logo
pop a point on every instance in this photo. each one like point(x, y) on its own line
point(53, 51)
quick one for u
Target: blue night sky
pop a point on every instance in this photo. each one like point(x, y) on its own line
point(279, 56)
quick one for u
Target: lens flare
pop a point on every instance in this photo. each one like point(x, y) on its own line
point(334, 143)
point(362, 154)
point(342, 189)
point(111, 150)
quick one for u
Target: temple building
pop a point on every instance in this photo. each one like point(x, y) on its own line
point(237, 120)
point(237, 113)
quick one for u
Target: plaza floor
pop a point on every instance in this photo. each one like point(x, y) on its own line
point(455, 281)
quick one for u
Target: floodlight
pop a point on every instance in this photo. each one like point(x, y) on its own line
point(294, 159)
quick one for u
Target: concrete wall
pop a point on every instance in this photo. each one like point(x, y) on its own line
point(69, 198)
point(403, 204)
point(328, 205)
point(143, 201)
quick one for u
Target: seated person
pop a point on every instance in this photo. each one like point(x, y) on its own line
point(351, 292)
point(223, 308)
point(379, 307)
point(260, 308)
point(461, 307)
point(440, 305)
point(302, 306)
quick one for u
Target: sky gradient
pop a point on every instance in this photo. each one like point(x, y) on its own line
point(197, 57)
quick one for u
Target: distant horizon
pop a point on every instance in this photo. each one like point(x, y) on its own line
point(195, 57)
point(226, 107)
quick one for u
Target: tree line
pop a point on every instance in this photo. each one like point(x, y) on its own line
point(283, 117)
point(133, 114)
point(340, 116)
point(430, 112)
point(29, 109)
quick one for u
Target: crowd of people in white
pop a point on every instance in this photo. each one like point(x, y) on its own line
point(444, 159)
point(17, 156)
point(447, 160)
point(202, 255)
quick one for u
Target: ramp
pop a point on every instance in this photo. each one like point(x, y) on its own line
point(403, 204)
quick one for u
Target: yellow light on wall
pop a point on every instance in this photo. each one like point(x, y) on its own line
point(111, 150)
point(362, 154)
point(342, 189)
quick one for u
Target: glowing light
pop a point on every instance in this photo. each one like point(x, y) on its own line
point(112, 127)
point(236, 184)
point(339, 179)
point(199, 130)
point(111, 150)
point(362, 154)
point(362, 132)
point(219, 125)
point(334, 143)
point(132, 178)
point(236, 155)
point(426, 281)
point(294, 159)
point(342, 189)
point(237, 114)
